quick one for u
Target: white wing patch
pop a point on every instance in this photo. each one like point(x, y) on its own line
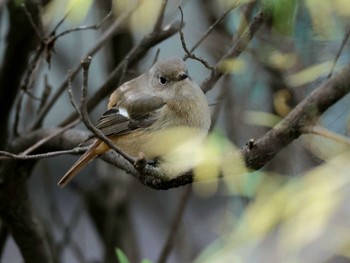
point(124, 112)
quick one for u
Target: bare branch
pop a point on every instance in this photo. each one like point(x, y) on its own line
point(258, 152)
point(70, 93)
point(6, 155)
point(169, 243)
point(210, 29)
point(67, 237)
point(59, 23)
point(110, 32)
point(15, 50)
point(45, 94)
point(49, 137)
point(95, 27)
point(340, 50)
point(156, 56)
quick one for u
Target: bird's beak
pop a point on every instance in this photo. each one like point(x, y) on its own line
point(183, 76)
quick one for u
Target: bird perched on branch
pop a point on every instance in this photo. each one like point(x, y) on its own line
point(149, 115)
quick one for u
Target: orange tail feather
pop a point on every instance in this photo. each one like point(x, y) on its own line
point(83, 161)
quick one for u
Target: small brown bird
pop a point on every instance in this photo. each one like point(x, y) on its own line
point(140, 110)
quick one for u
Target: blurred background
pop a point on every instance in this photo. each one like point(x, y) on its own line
point(295, 209)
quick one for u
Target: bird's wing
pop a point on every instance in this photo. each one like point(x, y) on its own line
point(112, 122)
point(130, 107)
point(130, 92)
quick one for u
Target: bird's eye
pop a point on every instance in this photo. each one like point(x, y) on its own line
point(162, 80)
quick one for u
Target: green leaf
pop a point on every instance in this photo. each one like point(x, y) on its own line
point(19, 2)
point(146, 261)
point(122, 258)
point(284, 14)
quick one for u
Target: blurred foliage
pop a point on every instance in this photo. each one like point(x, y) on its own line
point(261, 118)
point(289, 215)
point(281, 60)
point(77, 10)
point(284, 14)
point(122, 258)
point(281, 101)
point(144, 17)
point(233, 66)
point(309, 74)
point(303, 218)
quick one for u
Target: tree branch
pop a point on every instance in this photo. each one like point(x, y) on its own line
point(11, 73)
point(303, 115)
point(260, 18)
point(256, 153)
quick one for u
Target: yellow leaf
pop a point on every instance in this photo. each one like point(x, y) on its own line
point(282, 61)
point(342, 7)
point(309, 74)
point(144, 17)
point(233, 65)
point(324, 148)
point(321, 13)
point(261, 118)
point(78, 10)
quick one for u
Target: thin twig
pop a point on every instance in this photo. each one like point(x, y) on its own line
point(249, 8)
point(341, 48)
point(67, 236)
point(321, 131)
point(6, 155)
point(70, 93)
point(59, 23)
point(34, 63)
point(49, 137)
point(38, 53)
point(31, 95)
point(188, 53)
point(45, 94)
point(31, 21)
point(95, 27)
point(156, 56)
point(15, 128)
point(210, 29)
point(169, 243)
point(50, 41)
point(221, 97)
point(124, 69)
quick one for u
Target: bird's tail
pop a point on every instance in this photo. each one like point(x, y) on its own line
point(83, 161)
